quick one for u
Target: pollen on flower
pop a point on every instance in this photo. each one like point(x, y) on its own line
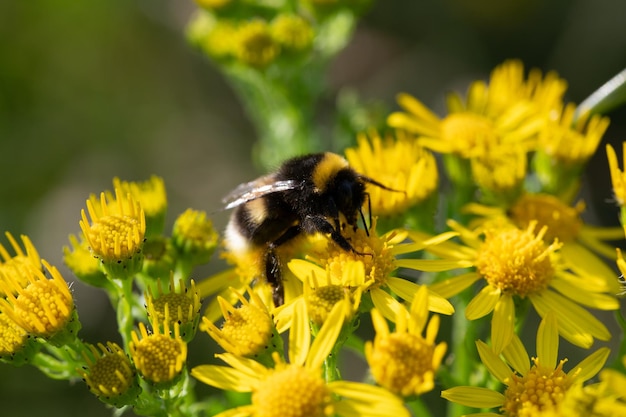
point(539, 389)
point(247, 330)
point(159, 357)
point(108, 373)
point(12, 336)
point(43, 307)
point(378, 260)
point(561, 220)
point(117, 228)
point(291, 391)
point(516, 261)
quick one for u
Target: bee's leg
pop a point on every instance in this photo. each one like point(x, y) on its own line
point(322, 225)
point(273, 272)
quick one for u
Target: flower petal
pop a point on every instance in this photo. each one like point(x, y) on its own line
point(477, 397)
point(300, 334)
point(591, 365)
point(548, 341)
point(224, 378)
point(433, 265)
point(362, 400)
point(492, 361)
point(385, 303)
point(327, 336)
point(587, 298)
point(483, 303)
point(502, 323)
point(452, 286)
point(516, 355)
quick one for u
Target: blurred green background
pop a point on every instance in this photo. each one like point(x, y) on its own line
point(97, 89)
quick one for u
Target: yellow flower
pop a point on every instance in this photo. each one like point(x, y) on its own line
point(247, 330)
point(109, 375)
point(618, 177)
point(220, 41)
point(500, 174)
point(153, 200)
point(254, 44)
point(621, 265)
point(404, 361)
point(297, 389)
point(21, 257)
point(12, 337)
point(580, 242)
point(159, 356)
point(401, 164)
point(116, 233)
point(194, 236)
point(292, 32)
point(572, 141)
point(509, 112)
point(42, 307)
point(517, 263)
point(378, 256)
point(82, 263)
point(180, 305)
point(530, 388)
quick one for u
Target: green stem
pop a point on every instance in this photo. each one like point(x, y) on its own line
point(124, 310)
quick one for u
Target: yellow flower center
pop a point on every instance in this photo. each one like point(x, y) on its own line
point(114, 238)
point(248, 328)
point(541, 388)
point(159, 357)
point(12, 336)
point(378, 260)
point(469, 134)
point(292, 391)
point(180, 306)
point(255, 45)
point(321, 300)
point(563, 222)
point(403, 363)
point(111, 374)
point(516, 261)
point(292, 31)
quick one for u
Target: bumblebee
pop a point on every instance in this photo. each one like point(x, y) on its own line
point(306, 195)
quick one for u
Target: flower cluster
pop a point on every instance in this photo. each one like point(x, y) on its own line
point(466, 232)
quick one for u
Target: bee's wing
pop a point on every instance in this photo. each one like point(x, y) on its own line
point(255, 189)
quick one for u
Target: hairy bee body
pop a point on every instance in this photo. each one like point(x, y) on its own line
point(306, 195)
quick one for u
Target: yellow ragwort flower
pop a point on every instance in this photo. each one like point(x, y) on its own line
point(220, 41)
point(254, 44)
point(43, 307)
point(12, 336)
point(292, 32)
point(297, 389)
point(507, 112)
point(404, 361)
point(28, 256)
point(178, 304)
point(618, 177)
point(109, 375)
point(533, 386)
point(399, 163)
point(82, 263)
point(518, 263)
point(580, 242)
point(116, 233)
point(500, 174)
point(194, 236)
point(151, 196)
point(247, 330)
point(159, 356)
point(378, 256)
point(572, 141)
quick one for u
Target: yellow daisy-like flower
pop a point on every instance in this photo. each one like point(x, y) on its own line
point(153, 200)
point(109, 375)
point(379, 258)
point(180, 305)
point(518, 263)
point(500, 174)
point(292, 32)
point(507, 112)
point(254, 44)
point(580, 242)
point(194, 236)
point(618, 180)
point(82, 263)
point(247, 330)
point(297, 389)
point(404, 361)
point(12, 336)
point(220, 41)
point(42, 307)
point(116, 233)
point(572, 141)
point(532, 386)
point(401, 164)
point(160, 356)
point(28, 255)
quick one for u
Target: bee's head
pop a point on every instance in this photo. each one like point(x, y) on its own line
point(348, 194)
